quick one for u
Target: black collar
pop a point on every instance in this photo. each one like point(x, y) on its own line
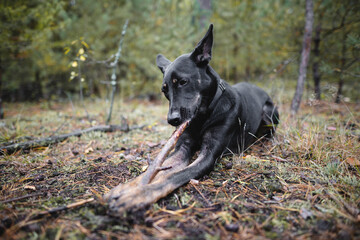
point(219, 91)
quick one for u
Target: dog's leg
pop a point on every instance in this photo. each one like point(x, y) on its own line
point(135, 194)
point(157, 165)
point(171, 179)
point(178, 160)
point(269, 121)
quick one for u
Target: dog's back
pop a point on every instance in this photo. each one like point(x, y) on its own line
point(258, 116)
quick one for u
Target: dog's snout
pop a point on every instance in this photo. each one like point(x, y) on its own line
point(174, 118)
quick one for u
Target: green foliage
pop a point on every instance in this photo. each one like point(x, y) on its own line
point(41, 39)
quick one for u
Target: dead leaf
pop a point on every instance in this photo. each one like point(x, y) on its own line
point(30, 187)
point(89, 150)
point(331, 128)
point(130, 157)
point(352, 161)
point(152, 144)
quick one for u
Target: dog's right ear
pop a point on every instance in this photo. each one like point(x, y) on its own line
point(162, 62)
point(202, 52)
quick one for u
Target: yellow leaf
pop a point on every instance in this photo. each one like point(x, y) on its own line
point(74, 64)
point(67, 50)
point(84, 44)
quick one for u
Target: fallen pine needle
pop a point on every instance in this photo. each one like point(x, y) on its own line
point(178, 212)
point(70, 206)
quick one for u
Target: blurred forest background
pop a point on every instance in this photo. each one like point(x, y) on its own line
point(52, 48)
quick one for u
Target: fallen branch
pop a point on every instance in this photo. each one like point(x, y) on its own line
point(139, 192)
point(21, 197)
point(155, 166)
point(43, 142)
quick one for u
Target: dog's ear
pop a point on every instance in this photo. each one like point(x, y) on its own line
point(202, 52)
point(162, 62)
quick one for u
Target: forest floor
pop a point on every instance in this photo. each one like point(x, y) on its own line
point(305, 183)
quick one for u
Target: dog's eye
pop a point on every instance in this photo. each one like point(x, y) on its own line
point(164, 88)
point(182, 82)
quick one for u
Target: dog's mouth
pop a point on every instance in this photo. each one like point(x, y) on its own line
point(184, 114)
point(187, 114)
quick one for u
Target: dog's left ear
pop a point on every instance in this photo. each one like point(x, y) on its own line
point(202, 52)
point(162, 62)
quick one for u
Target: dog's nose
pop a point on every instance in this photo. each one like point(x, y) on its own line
point(174, 118)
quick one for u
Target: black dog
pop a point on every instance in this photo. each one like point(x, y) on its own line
point(223, 119)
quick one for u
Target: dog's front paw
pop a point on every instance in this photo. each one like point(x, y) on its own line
point(130, 198)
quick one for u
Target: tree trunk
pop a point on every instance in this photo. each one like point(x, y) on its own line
point(316, 72)
point(342, 68)
point(1, 107)
point(305, 53)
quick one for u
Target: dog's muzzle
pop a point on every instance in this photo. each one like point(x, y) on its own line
point(175, 118)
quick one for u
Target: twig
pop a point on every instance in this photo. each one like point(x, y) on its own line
point(279, 159)
point(59, 128)
point(106, 62)
point(55, 139)
point(21, 198)
point(81, 92)
point(207, 202)
point(62, 208)
point(71, 102)
point(158, 161)
point(163, 168)
point(113, 65)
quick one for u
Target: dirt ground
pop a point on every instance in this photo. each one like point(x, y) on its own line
point(303, 184)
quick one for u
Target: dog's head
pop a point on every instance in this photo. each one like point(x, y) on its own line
point(186, 81)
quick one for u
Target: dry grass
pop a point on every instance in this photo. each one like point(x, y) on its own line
point(305, 183)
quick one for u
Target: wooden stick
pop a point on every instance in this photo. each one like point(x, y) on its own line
point(55, 139)
point(155, 166)
point(21, 197)
point(70, 206)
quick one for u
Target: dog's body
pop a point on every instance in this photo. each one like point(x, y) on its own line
point(222, 118)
